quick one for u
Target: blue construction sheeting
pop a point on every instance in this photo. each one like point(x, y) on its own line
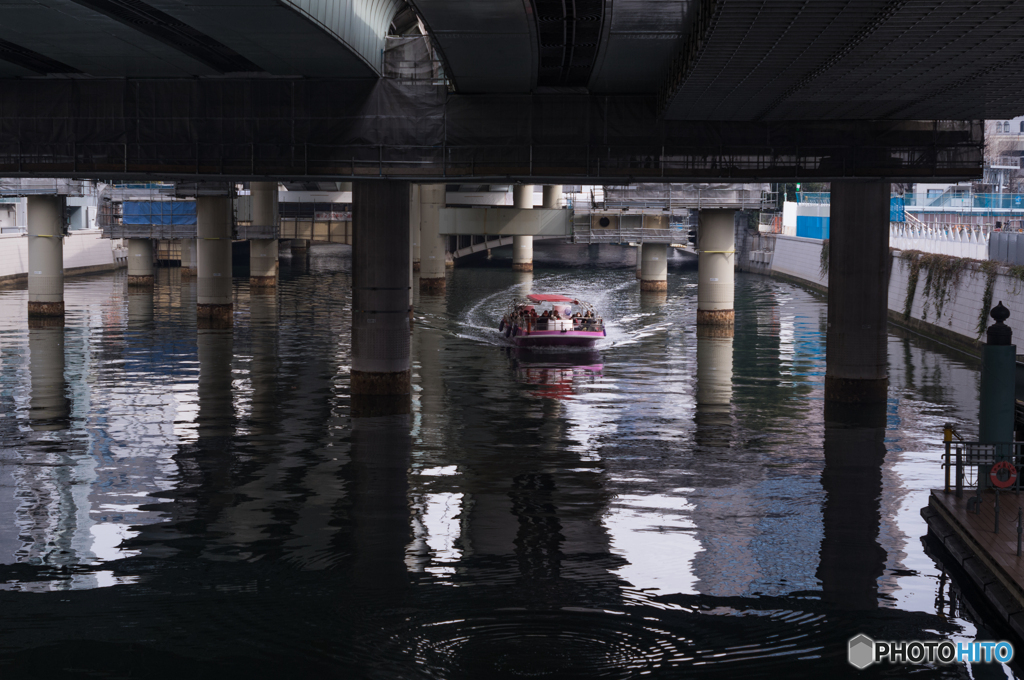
point(897, 209)
point(158, 212)
point(811, 226)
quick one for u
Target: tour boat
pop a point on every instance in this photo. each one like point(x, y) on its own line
point(551, 321)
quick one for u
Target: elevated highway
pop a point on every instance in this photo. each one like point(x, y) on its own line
point(586, 91)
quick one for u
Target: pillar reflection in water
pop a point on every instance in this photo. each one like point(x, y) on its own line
point(140, 305)
point(216, 409)
point(379, 478)
point(714, 386)
point(263, 372)
point(48, 405)
point(851, 560)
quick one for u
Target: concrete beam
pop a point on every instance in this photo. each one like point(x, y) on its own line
point(505, 222)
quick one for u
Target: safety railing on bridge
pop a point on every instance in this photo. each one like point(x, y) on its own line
point(586, 235)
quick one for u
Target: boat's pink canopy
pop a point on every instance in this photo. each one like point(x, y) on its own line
point(550, 298)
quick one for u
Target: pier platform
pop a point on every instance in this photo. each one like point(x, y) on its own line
point(989, 558)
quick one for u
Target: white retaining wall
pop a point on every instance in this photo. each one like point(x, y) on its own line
point(800, 258)
point(972, 243)
point(81, 249)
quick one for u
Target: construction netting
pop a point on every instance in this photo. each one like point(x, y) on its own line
point(158, 213)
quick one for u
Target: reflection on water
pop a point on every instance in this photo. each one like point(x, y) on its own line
point(554, 373)
point(671, 502)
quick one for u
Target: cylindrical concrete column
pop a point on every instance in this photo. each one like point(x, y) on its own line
point(856, 358)
point(263, 265)
point(380, 288)
point(140, 262)
point(299, 247)
point(654, 267)
point(639, 260)
point(716, 258)
point(414, 226)
point(45, 256)
point(432, 199)
point(552, 196)
point(522, 246)
point(263, 252)
point(213, 291)
point(414, 242)
point(188, 258)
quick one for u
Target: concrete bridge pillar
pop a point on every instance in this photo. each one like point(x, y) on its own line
point(856, 359)
point(45, 257)
point(414, 226)
point(188, 258)
point(300, 248)
point(432, 199)
point(716, 248)
point(140, 262)
point(639, 260)
point(380, 288)
point(654, 267)
point(552, 196)
point(213, 247)
point(263, 252)
point(522, 246)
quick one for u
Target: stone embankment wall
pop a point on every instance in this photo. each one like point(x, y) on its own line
point(948, 294)
point(84, 252)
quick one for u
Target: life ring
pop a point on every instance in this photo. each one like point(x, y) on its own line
point(1009, 474)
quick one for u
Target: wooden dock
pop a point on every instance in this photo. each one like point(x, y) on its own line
point(989, 558)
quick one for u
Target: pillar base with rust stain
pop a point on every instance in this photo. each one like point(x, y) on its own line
point(46, 309)
point(371, 383)
point(217, 316)
point(140, 281)
point(436, 285)
point(262, 284)
point(188, 272)
point(654, 286)
point(416, 266)
point(522, 266)
point(856, 391)
point(716, 317)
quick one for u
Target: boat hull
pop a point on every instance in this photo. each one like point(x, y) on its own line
point(557, 338)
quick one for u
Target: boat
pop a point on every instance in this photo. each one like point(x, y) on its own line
point(551, 321)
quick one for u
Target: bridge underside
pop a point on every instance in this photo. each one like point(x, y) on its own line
point(299, 129)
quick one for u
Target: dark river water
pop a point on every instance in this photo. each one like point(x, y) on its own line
point(194, 503)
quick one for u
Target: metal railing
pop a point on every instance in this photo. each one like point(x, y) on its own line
point(969, 463)
point(587, 235)
point(964, 462)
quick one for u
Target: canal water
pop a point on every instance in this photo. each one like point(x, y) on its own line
point(183, 502)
